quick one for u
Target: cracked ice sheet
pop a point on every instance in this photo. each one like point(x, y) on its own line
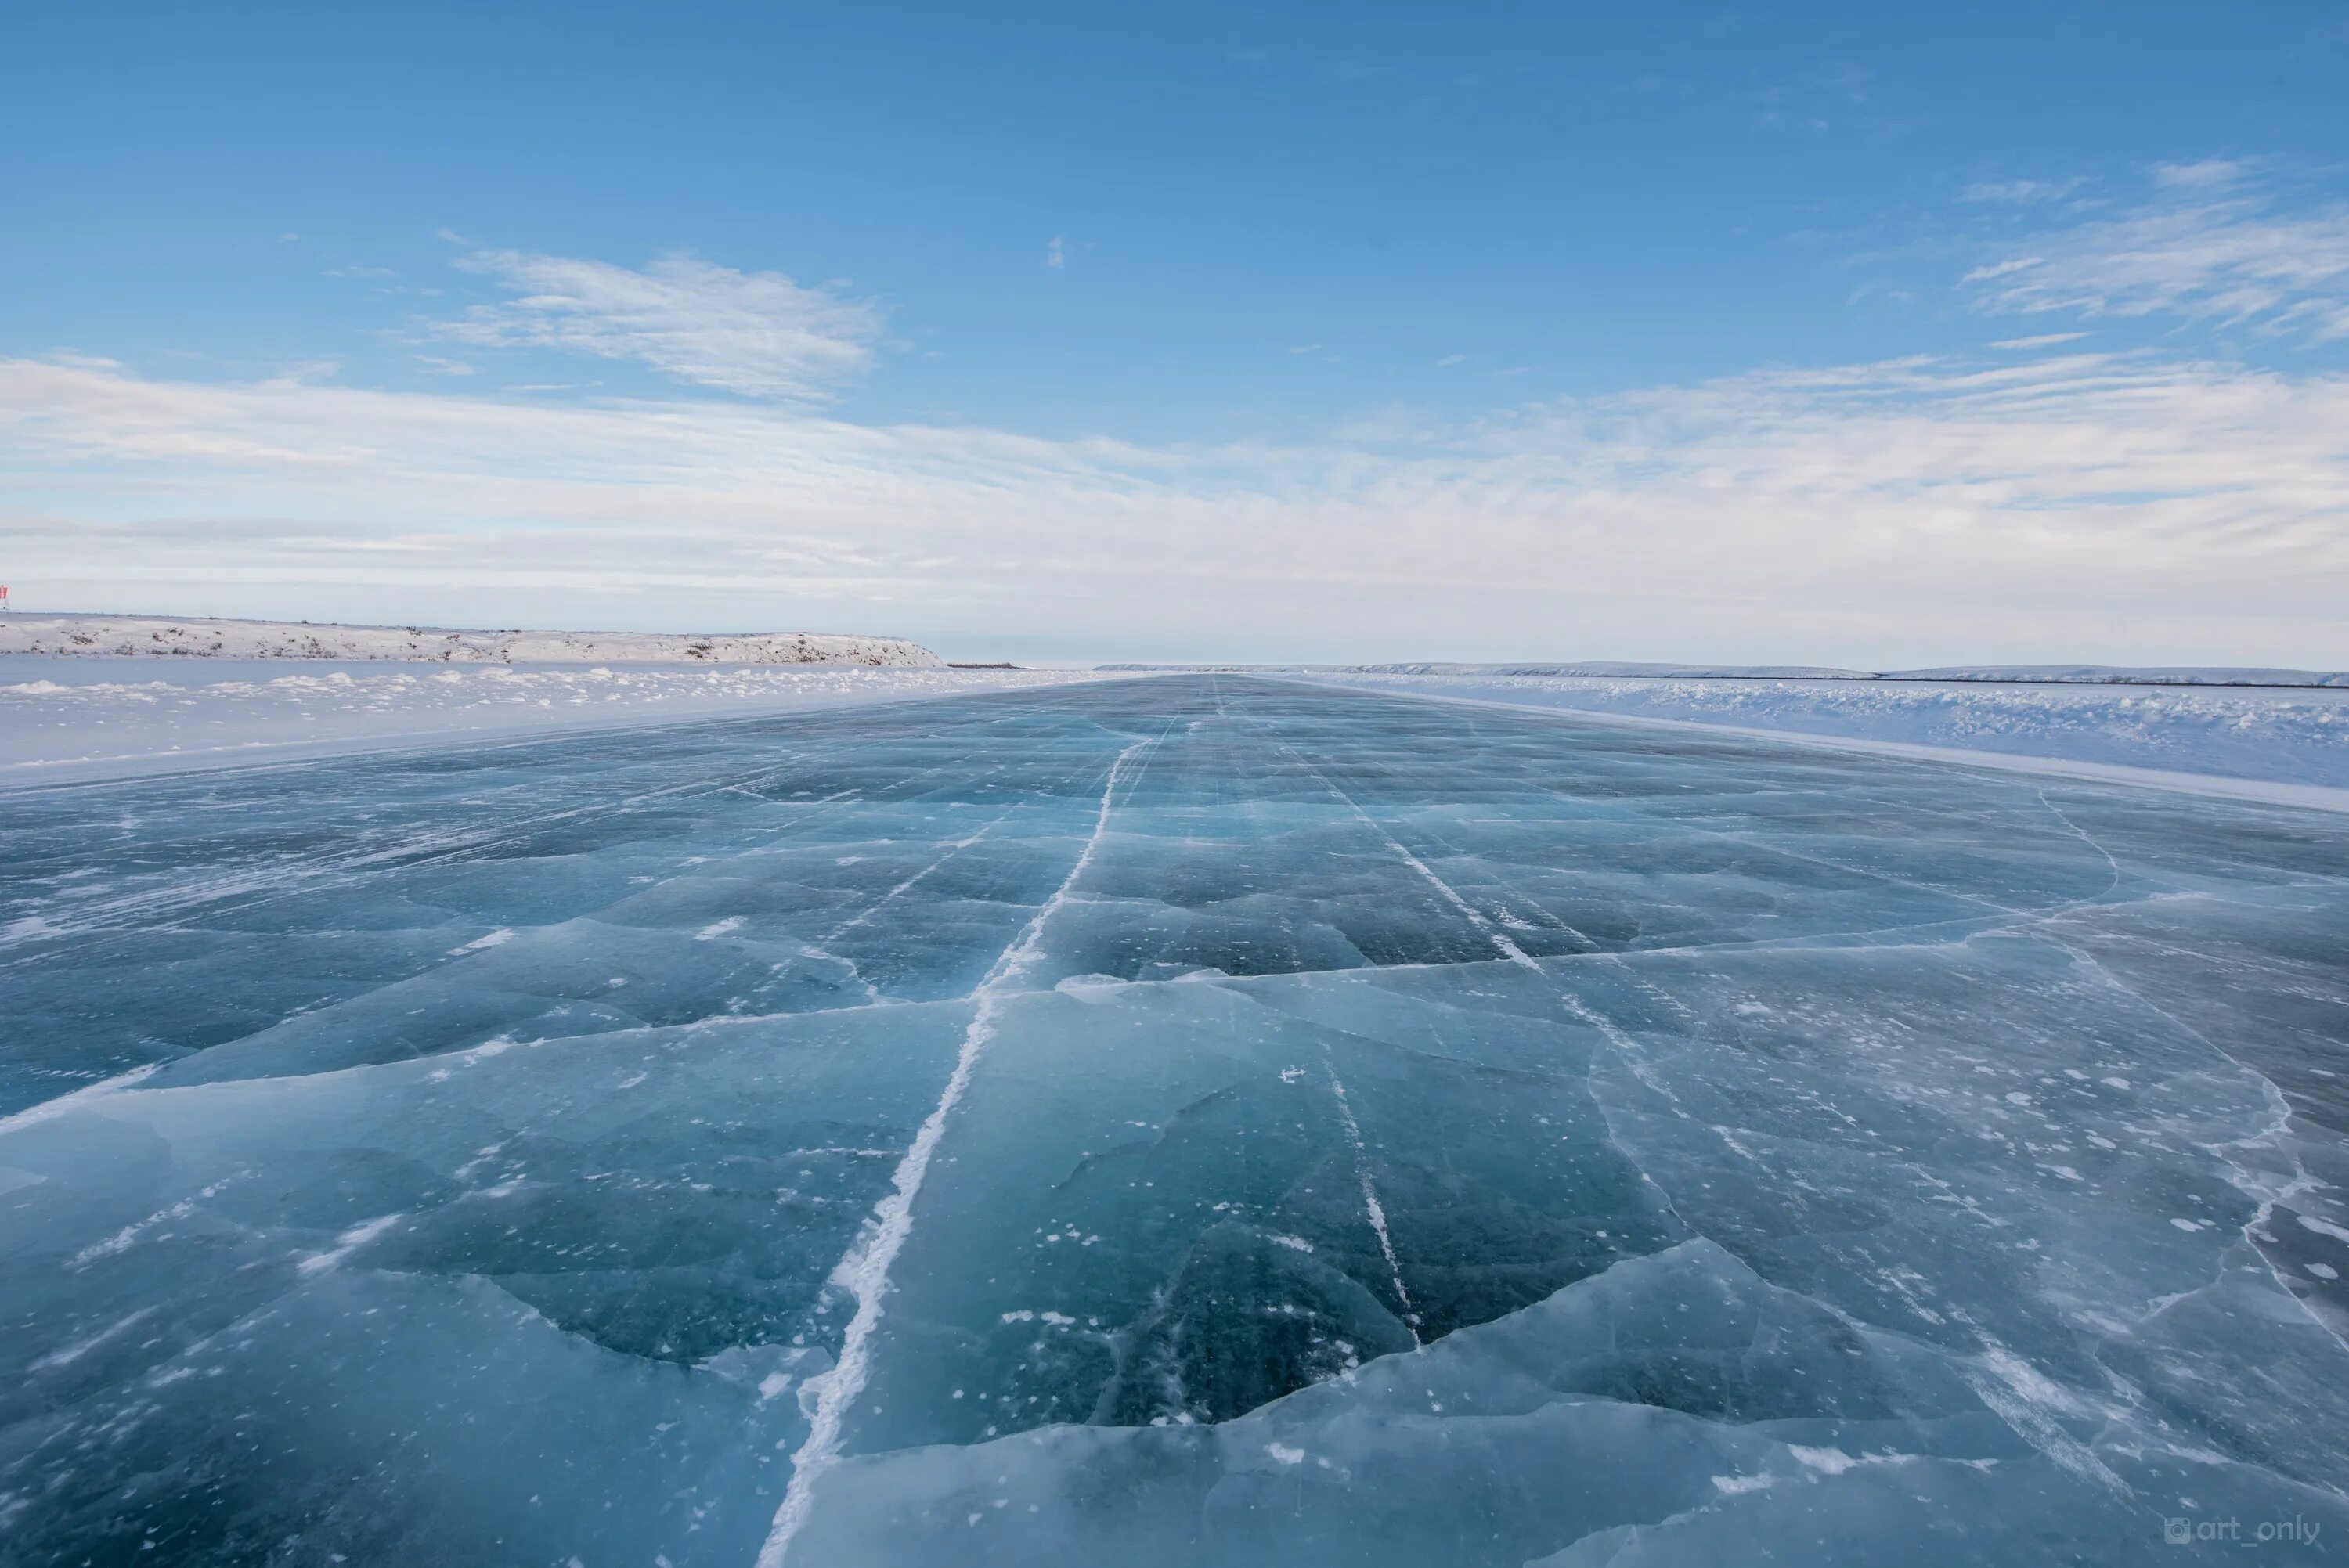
point(81, 717)
point(1768, 1148)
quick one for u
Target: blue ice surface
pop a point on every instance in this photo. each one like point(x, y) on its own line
point(1198, 1120)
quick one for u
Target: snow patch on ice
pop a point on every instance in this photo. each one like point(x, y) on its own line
point(497, 938)
point(349, 1242)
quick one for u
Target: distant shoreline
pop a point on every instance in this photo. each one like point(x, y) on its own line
point(1979, 675)
point(88, 636)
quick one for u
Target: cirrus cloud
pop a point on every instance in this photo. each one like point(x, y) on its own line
point(2210, 241)
point(760, 335)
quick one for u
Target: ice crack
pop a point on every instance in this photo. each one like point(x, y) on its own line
point(865, 1271)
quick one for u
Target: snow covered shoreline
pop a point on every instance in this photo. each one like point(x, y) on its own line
point(188, 638)
point(80, 719)
point(84, 718)
point(2289, 746)
point(1954, 674)
point(1999, 675)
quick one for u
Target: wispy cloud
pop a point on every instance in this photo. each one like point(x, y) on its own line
point(2204, 174)
point(2049, 503)
point(2001, 269)
point(2209, 241)
point(757, 334)
point(2039, 340)
point(2021, 191)
point(1056, 256)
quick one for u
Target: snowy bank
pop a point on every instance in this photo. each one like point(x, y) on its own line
point(2278, 736)
point(2004, 675)
point(139, 637)
point(64, 719)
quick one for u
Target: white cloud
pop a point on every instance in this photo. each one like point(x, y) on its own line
point(1055, 255)
point(2083, 505)
point(2207, 245)
point(758, 334)
point(2021, 191)
point(2206, 174)
point(2000, 269)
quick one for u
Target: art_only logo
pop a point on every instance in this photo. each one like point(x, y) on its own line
point(2292, 1531)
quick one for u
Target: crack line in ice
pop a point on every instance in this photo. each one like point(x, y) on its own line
point(76, 1098)
point(865, 1270)
point(1498, 937)
point(354, 867)
point(2063, 817)
point(1624, 1045)
point(2030, 1404)
point(1764, 847)
point(1370, 1199)
point(280, 880)
point(2276, 1135)
point(954, 847)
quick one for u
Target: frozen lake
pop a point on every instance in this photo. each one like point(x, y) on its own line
point(1197, 1121)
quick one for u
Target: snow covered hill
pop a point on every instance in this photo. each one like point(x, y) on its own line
point(140, 636)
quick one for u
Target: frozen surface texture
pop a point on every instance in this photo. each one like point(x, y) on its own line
point(1194, 1121)
point(97, 717)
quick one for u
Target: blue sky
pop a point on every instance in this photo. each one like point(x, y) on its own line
point(1205, 331)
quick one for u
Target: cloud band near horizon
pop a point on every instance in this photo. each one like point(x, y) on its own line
point(2080, 505)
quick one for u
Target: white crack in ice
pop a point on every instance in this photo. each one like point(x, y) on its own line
point(865, 1271)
